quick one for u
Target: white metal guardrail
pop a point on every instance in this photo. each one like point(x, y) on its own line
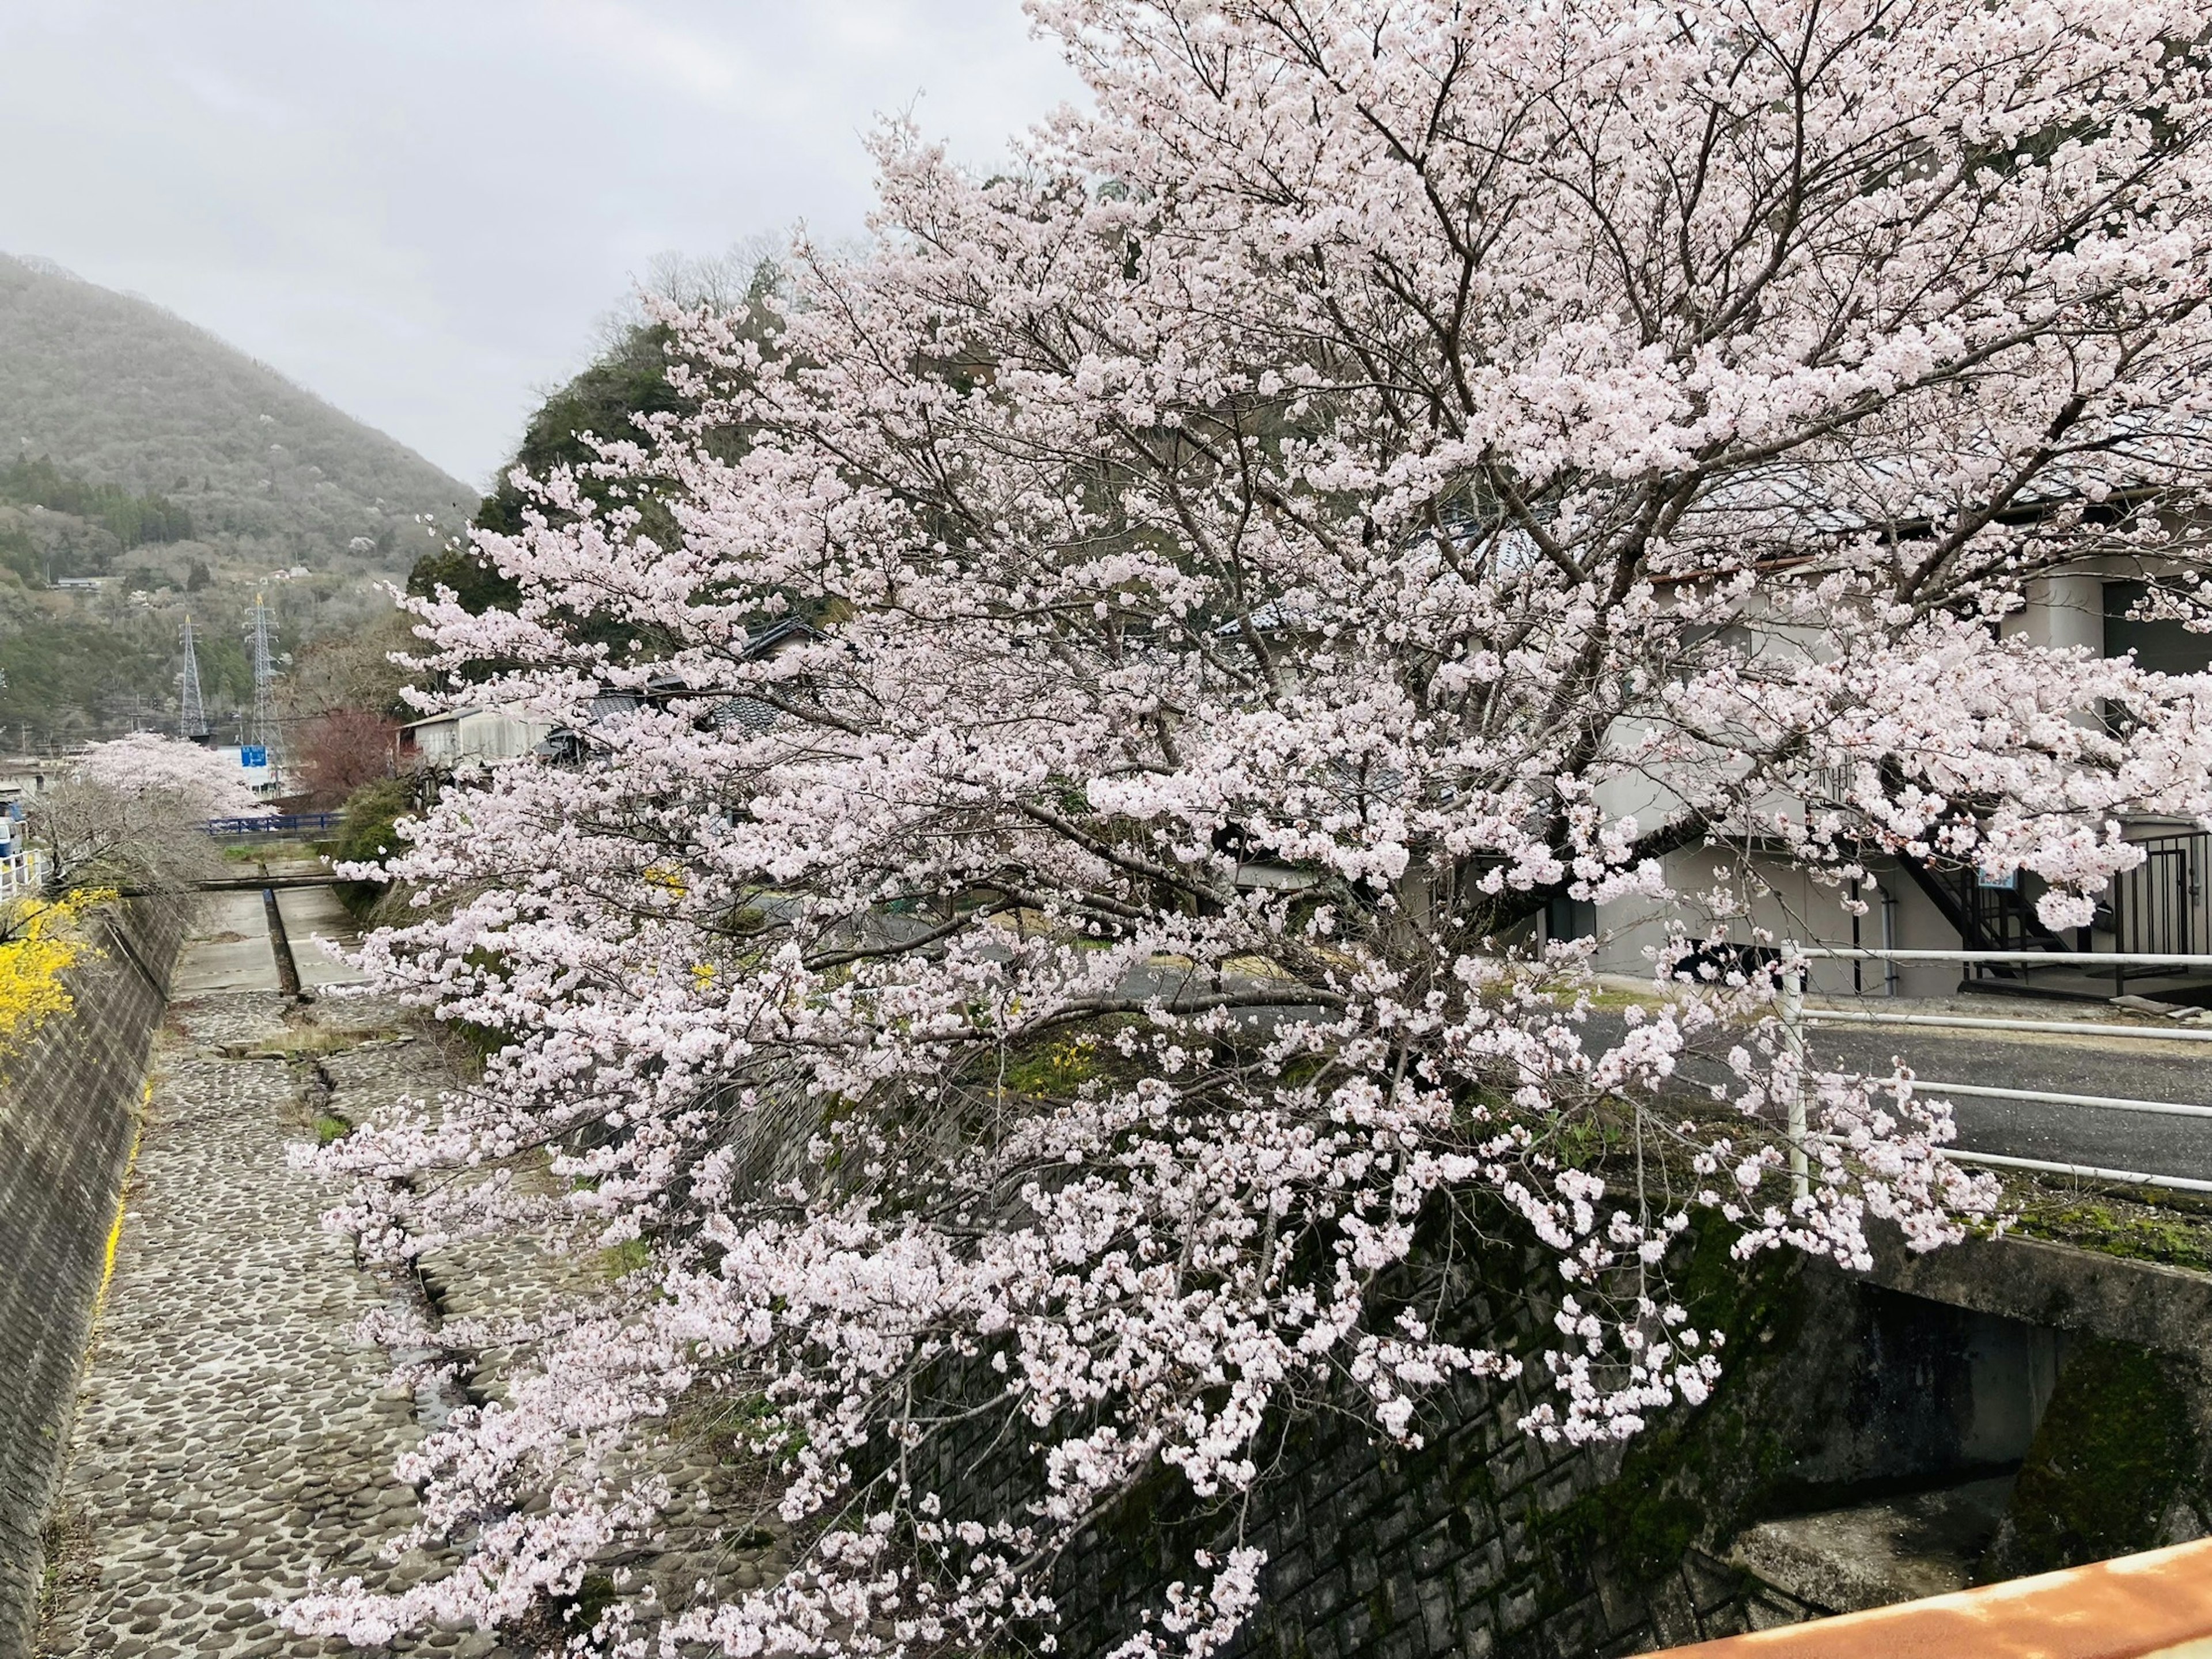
point(21, 874)
point(1796, 1018)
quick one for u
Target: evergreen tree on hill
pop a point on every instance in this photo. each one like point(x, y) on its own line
point(626, 382)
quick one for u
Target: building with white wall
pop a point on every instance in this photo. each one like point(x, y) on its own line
point(2162, 907)
point(483, 734)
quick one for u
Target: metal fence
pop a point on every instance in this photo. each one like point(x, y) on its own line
point(2158, 907)
point(275, 824)
point(21, 874)
point(1797, 1018)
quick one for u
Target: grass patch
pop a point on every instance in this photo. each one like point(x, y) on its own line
point(306, 1043)
point(273, 852)
point(631, 1255)
point(331, 1127)
point(1058, 1069)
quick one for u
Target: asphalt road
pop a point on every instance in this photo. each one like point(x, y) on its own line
point(2117, 1067)
point(2128, 1067)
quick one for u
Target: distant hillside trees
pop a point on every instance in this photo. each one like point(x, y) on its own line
point(138, 446)
point(119, 392)
point(133, 520)
point(628, 380)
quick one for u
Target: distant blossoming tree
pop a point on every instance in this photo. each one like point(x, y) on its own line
point(342, 750)
point(1080, 986)
point(132, 813)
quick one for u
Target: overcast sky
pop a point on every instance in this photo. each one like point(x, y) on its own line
point(421, 209)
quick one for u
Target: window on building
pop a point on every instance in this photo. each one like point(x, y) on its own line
point(1568, 918)
point(2167, 647)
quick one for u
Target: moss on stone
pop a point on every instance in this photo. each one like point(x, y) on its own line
point(631, 1255)
point(2111, 1450)
point(1056, 1067)
point(2141, 1233)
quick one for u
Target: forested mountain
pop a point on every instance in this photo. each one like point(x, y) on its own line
point(139, 449)
point(120, 393)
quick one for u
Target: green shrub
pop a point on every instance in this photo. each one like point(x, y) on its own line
point(366, 834)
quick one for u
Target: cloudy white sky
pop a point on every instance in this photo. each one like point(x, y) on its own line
point(421, 209)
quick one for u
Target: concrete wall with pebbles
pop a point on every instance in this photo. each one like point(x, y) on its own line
point(67, 1111)
point(233, 1431)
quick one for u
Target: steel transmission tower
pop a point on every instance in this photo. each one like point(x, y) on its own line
point(192, 712)
point(264, 678)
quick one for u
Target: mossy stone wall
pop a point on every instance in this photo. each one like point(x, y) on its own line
point(69, 1106)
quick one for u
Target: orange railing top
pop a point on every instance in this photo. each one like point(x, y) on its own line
point(2154, 1606)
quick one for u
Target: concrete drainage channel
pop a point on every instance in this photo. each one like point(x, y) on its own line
point(234, 1427)
point(286, 939)
point(280, 943)
point(2000, 1409)
point(229, 1432)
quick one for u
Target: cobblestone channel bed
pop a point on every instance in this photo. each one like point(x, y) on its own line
point(231, 1429)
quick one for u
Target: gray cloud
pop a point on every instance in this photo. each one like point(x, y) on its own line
point(419, 209)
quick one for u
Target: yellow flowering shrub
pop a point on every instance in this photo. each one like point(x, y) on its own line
point(41, 944)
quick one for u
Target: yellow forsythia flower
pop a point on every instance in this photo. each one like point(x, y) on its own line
point(32, 961)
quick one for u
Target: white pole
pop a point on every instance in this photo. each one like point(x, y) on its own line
point(1793, 1044)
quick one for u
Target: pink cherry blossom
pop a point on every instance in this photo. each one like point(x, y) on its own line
point(1383, 466)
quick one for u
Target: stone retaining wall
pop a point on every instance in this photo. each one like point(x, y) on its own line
point(68, 1115)
point(1485, 1541)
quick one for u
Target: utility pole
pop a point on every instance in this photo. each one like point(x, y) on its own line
point(192, 712)
point(264, 681)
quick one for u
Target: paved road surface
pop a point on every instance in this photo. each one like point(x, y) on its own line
point(2122, 1066)
point(2118, 1067)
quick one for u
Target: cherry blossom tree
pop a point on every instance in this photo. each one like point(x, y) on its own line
point(1384, 466)
point(133, 812)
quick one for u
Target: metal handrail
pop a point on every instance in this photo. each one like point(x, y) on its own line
point(2105, 1103)
point(2042, 958)
point(1977, 1023)
point(2084, 1171)
point(1795, 1017)
point(21, 873)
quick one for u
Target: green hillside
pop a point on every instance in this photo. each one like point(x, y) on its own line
point(141, 451)
point(120, 393)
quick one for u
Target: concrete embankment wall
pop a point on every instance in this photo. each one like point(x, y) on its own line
point(68, 1108)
